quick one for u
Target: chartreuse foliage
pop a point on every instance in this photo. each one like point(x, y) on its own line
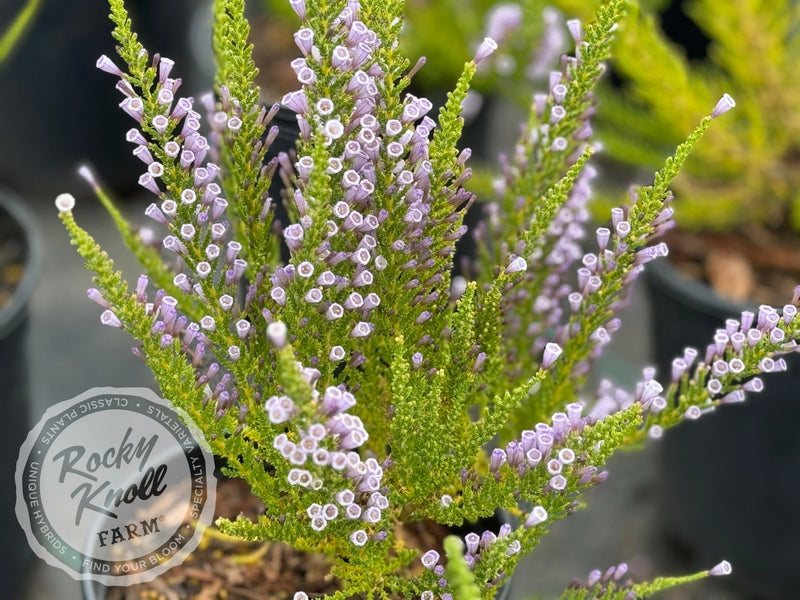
point(753, 55)
point(357, 385)
point(14, 31)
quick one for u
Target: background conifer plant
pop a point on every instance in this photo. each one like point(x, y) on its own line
point(353, 380)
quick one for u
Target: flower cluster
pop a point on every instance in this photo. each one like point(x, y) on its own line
point(467, 383)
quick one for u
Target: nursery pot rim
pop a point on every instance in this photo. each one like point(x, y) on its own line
point(14, 313)
point(667, 279)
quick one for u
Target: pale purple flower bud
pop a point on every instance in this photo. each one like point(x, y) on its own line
point(650, 390)
point(110, 319)
point(334, 311)
point(423, 316)
point(134, 107)
point(498, 458)
point(242, 328)
point(485, 50)
point(518, 265)
point(141, 288)
point(574, 27)
point(226, 302)
point(146, 181)
point(164, 96)
point(187, 231)
point(106, 64)
point(714, 386)
point(156, 169)
point(333, 129)
point(304, 38)
point(362, 329)
point(554, 466)
point(181, 109)
point(593, 578)
point(559, 144)
point(371, 515)
point(296, 101)
point(679, 367)
point(719, 367)
point(513, 548)
point(172, 244)
point(566, 456)
point(186, 159)
point(135, 136)
point(753, 337)
point(164, 68)
point(208, 323)
point(789, 312)
point(689, 355)
point(723, 568)
point(155, 213)
point(362, 278)
point(537, 515)
point(551, 352)
point(736, 365)
point(277, 334)
point(559, 93)
point(723, 105)
point(533, 456)
point(336, 354)
point(160, 123)
point(693, 413)
point(313, 296)
point(182, 282)
point(574, 410)
point(212, 252)
point(622, 228)
point(293, 235)
point(358, 537)
point(738, 340)
point(755, 384)
point(126, 88)
point(733, 397)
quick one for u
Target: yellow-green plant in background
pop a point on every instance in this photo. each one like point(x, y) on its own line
point(13, 33)
point(746, 170)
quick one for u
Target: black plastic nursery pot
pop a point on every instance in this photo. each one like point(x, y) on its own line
point(730, 480)
point(20, 253)
point(60, 110)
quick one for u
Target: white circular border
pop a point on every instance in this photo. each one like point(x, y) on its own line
point(206, 515)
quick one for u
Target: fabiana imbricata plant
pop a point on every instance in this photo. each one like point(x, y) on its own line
point(358, 384)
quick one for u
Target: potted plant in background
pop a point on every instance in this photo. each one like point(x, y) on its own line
point(356, 386)
point(736, 246)
point(20, 258)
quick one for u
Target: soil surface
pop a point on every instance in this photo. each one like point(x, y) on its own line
point(755, 265)
point(229, 569)
point(236, 570)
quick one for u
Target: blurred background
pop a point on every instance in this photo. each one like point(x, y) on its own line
point(738, 206)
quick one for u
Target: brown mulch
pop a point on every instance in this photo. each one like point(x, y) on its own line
point(215, 570)
point(753, 265)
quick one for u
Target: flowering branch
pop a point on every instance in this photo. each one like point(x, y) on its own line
point(355, 385)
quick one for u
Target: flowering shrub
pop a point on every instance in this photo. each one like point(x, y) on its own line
point(357, 384)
